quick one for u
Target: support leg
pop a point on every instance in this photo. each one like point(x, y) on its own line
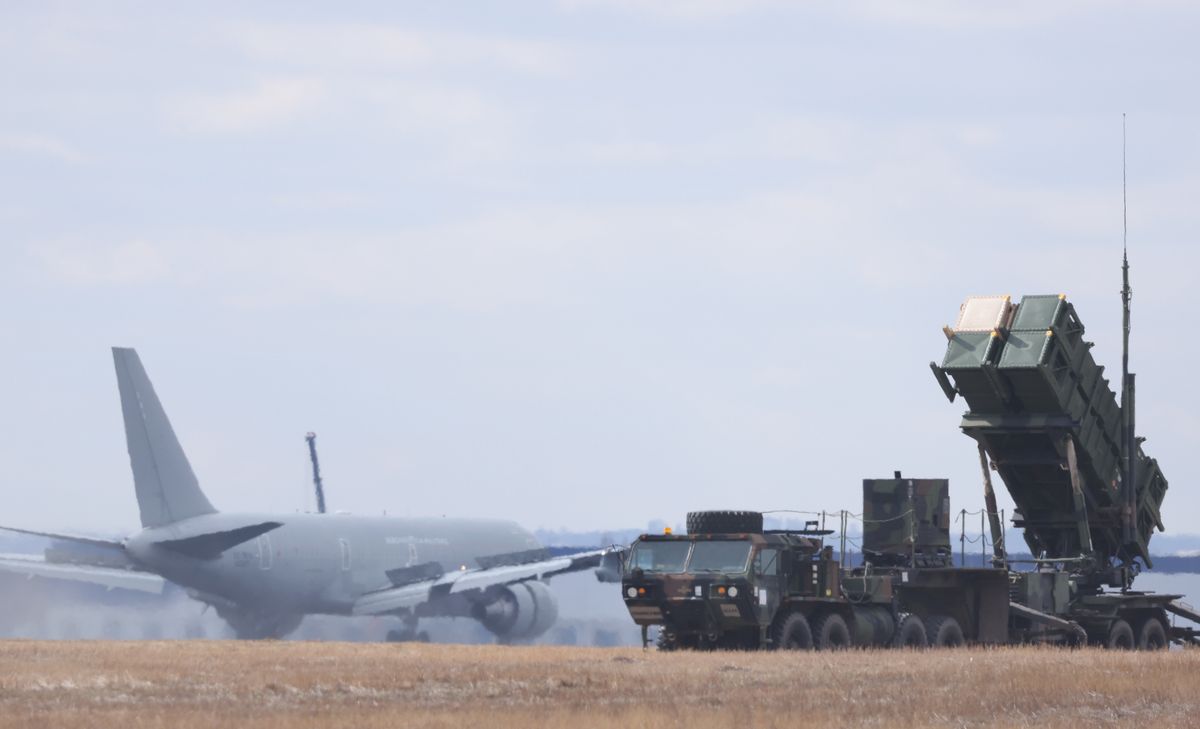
point(1081, 520)
point(999, 555)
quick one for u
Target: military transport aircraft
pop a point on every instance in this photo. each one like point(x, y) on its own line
point(263, 573)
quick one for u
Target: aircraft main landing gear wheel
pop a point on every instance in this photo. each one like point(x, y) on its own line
point(408, 633)
point(401, 636)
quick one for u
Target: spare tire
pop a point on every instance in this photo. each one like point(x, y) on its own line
point(724, 522)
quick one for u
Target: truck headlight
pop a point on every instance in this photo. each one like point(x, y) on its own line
point(632, 592)
point(733, 591)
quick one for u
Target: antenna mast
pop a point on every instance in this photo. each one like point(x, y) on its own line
point(316, 466)
point(1129, 441)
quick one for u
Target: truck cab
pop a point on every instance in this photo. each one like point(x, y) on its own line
point(727, 583)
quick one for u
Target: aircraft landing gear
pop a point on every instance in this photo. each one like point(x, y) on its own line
point(408, 633)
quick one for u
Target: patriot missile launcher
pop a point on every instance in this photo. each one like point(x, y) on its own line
point(1088, 498)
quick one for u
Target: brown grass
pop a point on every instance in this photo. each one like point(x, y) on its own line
point(292, 684)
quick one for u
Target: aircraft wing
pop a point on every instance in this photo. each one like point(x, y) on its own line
point(408, 596)
point(93, 541)
point(110, 577)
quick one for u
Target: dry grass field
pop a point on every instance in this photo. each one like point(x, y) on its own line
point(294, 684)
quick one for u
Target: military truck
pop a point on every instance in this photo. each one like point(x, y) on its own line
point(728, 583)
point(1088, 500)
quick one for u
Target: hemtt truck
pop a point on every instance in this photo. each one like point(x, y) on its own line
point(729, 583)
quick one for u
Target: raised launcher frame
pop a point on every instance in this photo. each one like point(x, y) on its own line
point(1045, 418)
point(1048, 422)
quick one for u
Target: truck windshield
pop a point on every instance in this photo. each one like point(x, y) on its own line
point(659, 556)
point(723, 556)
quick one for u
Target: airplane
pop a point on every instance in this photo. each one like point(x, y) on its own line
point(263, 573)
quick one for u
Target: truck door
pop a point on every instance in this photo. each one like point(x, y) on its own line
point(766, 581)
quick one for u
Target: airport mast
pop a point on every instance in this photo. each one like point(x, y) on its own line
point(316, 466)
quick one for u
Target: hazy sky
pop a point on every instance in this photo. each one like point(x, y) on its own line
point(582, 263)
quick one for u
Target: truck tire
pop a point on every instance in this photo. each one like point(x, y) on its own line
point(1120, 636)
point(944, 631)
point(724, 522)
point(668, 642)
point(911, 633)
point(1151, 635)
point(830, 633)
point(663, 643)
point(792, 633)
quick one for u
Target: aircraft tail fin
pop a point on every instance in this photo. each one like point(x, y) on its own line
point(167, 489)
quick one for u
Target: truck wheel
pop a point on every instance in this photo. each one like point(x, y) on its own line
point(944, 632)
point(666, 642)
point(830, 633)
point(792, 633)
point(670, 642)
point(911, 633)
point(1120, 636)
point(1151, 635)
point(724, 522)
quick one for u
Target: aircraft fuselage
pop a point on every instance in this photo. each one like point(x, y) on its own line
point(320, 563)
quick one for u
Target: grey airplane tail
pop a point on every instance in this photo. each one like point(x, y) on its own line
point(167, 489)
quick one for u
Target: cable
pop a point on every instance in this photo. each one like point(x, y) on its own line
point(857, 517)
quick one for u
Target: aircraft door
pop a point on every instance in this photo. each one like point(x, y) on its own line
point(265, 559)
point(346, 555)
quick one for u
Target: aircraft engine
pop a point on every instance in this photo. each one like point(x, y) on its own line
point(519, 612)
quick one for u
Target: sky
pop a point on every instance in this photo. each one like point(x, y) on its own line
point(578, 263)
